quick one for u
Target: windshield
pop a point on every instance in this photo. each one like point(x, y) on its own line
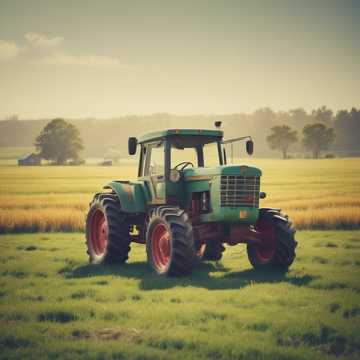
point(179, 156)
point(190, 155)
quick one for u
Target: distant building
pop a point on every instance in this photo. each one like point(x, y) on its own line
point(30, 160)
point(106, 163)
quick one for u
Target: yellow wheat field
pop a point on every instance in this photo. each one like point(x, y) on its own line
point(316, 194)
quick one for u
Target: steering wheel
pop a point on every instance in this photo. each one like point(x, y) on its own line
point(184, 165)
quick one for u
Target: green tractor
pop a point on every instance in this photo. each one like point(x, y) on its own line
point(185, 205)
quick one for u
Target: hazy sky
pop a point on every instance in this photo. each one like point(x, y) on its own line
point(106, 58)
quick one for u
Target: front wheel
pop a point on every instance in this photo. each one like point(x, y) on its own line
point(277, 247)
point(170, 242)
point(107, 231)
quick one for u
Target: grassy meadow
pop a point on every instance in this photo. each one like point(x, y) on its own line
point(317, 194)
point(54, 305)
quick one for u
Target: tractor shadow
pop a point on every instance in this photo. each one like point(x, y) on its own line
point(211, 276)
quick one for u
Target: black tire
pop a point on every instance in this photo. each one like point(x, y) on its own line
point(213, 251)
point(283, 246)
point(117, 245)
point(174, 224)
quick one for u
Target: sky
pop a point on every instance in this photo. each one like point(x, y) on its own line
point(108, 58)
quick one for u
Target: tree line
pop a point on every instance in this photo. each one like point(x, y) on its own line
point(108, 137)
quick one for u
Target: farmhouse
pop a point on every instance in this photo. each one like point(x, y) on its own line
point(106, 163)
point(30, 160)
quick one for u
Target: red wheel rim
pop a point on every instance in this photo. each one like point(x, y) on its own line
point(266, 250)
point(99, 232)
point(161, 246)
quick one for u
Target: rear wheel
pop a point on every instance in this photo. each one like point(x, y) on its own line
point(277, 248)
point(169, 241)
point(107, 231)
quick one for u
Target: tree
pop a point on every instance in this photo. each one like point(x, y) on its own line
point(347, 127)
point(59, 141)
point(322, 114)
point(281, 137)
point(298, 118)
point(317, 137)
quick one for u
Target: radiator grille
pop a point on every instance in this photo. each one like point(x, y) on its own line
point(236, 190)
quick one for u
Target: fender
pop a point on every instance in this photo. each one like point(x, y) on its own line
point(131, 195)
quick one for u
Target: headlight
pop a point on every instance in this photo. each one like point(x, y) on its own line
point(174, 175)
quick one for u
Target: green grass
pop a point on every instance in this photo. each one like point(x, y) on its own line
point(54, 305)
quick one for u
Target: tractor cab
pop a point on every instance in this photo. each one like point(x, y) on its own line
point(172, 160)
point(166, 155)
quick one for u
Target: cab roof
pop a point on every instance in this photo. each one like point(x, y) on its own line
point(202, 135)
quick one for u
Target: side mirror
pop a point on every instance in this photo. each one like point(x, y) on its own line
point(132, 145)
point(250, 147)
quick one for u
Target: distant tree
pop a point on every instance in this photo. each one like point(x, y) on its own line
point(264, 116)
point(59, 141)
point(318, 137)
point(281, 138)
point(283, 117)
point(298, 113)
point(347, 127)
point(298, 118)
point(322, 115)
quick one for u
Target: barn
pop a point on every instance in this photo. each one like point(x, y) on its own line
point(30, 160)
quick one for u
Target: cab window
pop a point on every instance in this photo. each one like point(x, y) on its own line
point(183, 155)
point(155, 159)
point(211, 155)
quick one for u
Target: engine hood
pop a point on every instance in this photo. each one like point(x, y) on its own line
point(197, 174)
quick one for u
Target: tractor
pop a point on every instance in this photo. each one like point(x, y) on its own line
point(186, 203)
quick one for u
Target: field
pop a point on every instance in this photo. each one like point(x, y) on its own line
point(54, 305)
point(317, 194)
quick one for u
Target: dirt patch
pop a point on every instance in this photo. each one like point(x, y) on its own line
point(107, 334)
